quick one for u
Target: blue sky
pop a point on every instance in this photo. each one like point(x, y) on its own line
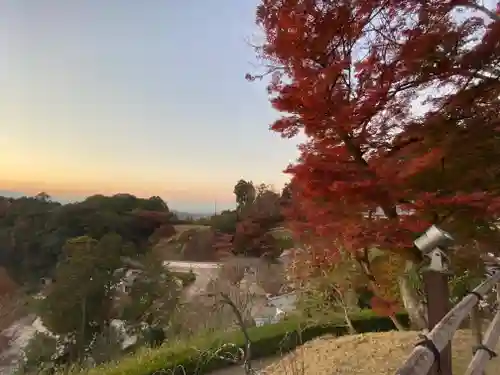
point(146, 97)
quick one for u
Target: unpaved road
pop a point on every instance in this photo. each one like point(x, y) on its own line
point(238, 370)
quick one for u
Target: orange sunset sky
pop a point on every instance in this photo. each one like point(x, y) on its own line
point(150, 100)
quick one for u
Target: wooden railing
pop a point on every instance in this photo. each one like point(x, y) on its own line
point(427, 351)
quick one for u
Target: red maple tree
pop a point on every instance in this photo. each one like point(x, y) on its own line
point(399, 101)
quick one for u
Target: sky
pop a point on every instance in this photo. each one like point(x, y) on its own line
point(143, 97)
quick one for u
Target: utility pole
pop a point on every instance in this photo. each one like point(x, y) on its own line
point(433, 244)
point(215, 207)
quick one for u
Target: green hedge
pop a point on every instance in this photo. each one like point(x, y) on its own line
point(197, 357)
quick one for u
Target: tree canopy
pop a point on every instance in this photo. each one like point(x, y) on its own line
point(33, 230)
point(399, 102)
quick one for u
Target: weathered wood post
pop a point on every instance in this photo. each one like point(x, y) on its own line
point(433, 244)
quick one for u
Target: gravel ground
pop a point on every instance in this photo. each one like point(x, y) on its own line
point(367, 354)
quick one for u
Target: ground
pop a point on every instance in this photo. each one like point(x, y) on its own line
point(366, 354)
point(281, 232)
point(173, 248)
point(184, 227)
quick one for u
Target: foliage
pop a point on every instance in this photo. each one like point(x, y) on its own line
point(123, 214)
point(33, 230)
point(39, 355)
point(186, 278)
point(106, 346)
point(373, 172)
point(372, 166)
point(244, 192)
point(246, 231)
point(224, 222)
point(283, 243)
point(27, 247)
point(152, 295)
point(462, 284)
point(333, 288)
point(199, 355)
point(386, 268)
point(256, 219)
point(328, 284)
point(79, 304)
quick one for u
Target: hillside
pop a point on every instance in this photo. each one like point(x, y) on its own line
point(366, 354)
point(63, 252)
point(192, 247)
point(189, 243)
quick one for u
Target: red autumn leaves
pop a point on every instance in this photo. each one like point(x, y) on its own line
point(400, 103)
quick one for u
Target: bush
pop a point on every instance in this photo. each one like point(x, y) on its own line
point(201, 356)
point(38, 355)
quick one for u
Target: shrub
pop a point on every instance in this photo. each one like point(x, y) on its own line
point(203, 354)
point(38, 355)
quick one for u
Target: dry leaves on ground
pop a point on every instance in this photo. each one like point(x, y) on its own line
point(366, 354)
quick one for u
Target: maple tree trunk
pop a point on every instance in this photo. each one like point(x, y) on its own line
point(350, 326)
point(348, 321)
point(411, 302)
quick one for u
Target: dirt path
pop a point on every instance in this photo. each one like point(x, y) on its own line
point(238, 370)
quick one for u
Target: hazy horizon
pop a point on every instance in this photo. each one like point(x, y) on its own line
point(124, 96)
point(184, 207)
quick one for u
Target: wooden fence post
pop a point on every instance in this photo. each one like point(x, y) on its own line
point(438, 305)
point(432, 244)
point(484, 351)
point(422, 357)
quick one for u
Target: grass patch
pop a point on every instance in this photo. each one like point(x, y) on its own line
point(197, 356)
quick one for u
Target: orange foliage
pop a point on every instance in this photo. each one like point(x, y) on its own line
point(374, 172)
point(384, 307)
point(349, 74)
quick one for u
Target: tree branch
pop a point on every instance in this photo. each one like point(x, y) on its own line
point(247, 364)
point(481, 8)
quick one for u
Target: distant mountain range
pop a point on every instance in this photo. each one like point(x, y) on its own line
point(180, 214)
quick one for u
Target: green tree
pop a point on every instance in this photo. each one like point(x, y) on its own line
point(245, 193)
point(27, 246)
point(152, 294)
point(134, 219)
point(79, 303)
point(224, 222)
point(33, 230)
point(331, 286)
point(39, 355)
